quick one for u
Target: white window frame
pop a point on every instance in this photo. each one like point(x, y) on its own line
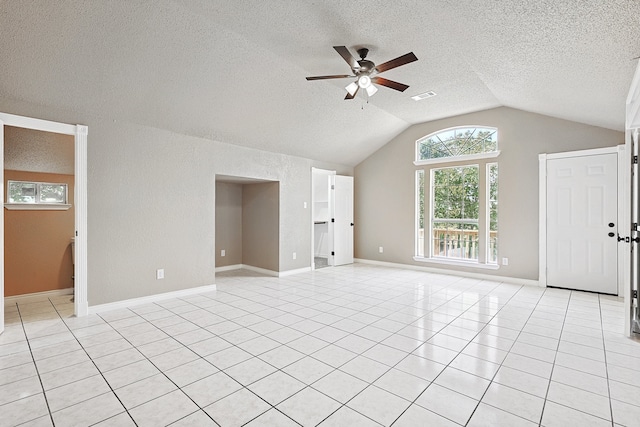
point(483, 161)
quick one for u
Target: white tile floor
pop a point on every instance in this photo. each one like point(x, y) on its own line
point(349, 346)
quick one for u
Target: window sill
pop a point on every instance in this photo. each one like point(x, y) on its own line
point(36, 207)
point(465, 158)
point(469, 264)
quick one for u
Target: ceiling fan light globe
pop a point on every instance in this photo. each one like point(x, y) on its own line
point(364, 81)
point(371, 90)
point(352, 88)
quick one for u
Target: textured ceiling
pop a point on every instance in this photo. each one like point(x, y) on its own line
point(35, 151)
point(234, 71)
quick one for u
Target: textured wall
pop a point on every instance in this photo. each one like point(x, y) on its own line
point(228, 223)
point(260, 225)
point(38, 243)
point(385, 185)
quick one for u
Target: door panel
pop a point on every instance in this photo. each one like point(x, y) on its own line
point(342, 196)
point(581, 203)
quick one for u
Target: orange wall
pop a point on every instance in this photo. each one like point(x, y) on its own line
point(37, 251)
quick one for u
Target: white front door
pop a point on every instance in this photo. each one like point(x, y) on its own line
point(341, 199)
point(582, 229)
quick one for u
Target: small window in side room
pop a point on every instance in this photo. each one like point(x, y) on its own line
point(36, 194)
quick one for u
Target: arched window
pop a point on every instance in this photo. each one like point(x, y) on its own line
point(458, 142)
point(457, 205)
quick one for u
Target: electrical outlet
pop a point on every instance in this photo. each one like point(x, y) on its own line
point(294, 255)
point(223, 252)
point(505, 261)
point(160, 273)
point(380, 249)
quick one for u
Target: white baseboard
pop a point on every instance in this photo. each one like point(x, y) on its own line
point(39, 295)
point(93, 309)
point(482, 276)
point(263, 270)
point(260, 270)
point(228, 268)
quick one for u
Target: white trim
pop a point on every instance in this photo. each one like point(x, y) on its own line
point(458, 263)
point(624, 217)
point(465, 158)
point(292, 272)
point(80, 200)
point(39, 295)
point(482, 276)
point(37, 124)
point(100, 308)
point(262, 270)
point(36, 207)
point(632, 113)
point(542, 219)
point(228, 268)
point(622, 198)
point(79, 133)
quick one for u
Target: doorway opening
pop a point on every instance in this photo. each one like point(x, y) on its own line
point(39, 223)
point(247, 225)
point(332, 219)
point(79, 133)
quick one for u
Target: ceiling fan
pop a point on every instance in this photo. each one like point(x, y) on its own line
point(366, 72)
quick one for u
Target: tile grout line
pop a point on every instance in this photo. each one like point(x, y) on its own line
point(99, 371)
point(46, 400)
point(544, 402)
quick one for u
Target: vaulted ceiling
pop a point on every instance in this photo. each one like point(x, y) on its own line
point(234, 71)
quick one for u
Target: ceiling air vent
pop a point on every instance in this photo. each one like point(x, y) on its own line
point(423, 96)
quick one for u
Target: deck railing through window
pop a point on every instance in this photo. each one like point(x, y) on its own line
point(458, 244)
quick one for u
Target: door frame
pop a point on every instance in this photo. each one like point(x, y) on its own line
point(623, 205)
point(79, 132)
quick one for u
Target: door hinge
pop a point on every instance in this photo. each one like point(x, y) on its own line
point(333, 187)
point(635, 293)
point(333, 253)
point(634, 226)
point(333, 220)
point(634, 160)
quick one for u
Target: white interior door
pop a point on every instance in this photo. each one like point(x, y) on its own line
point(582, 229)
point(342, 219)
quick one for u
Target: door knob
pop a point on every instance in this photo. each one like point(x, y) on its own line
point(611, 234)
point(611, 225)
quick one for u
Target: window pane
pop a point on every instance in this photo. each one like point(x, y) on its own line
point(458, 142)
point(420, 213)
point(492, 256)
point(455, 212)
point(22, 192)
point(53, 193)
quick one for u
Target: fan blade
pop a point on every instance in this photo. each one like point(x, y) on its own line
point(401, 60)
point(389, 83)
point(349, 96)
point(341, 76)
point(346, 55)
